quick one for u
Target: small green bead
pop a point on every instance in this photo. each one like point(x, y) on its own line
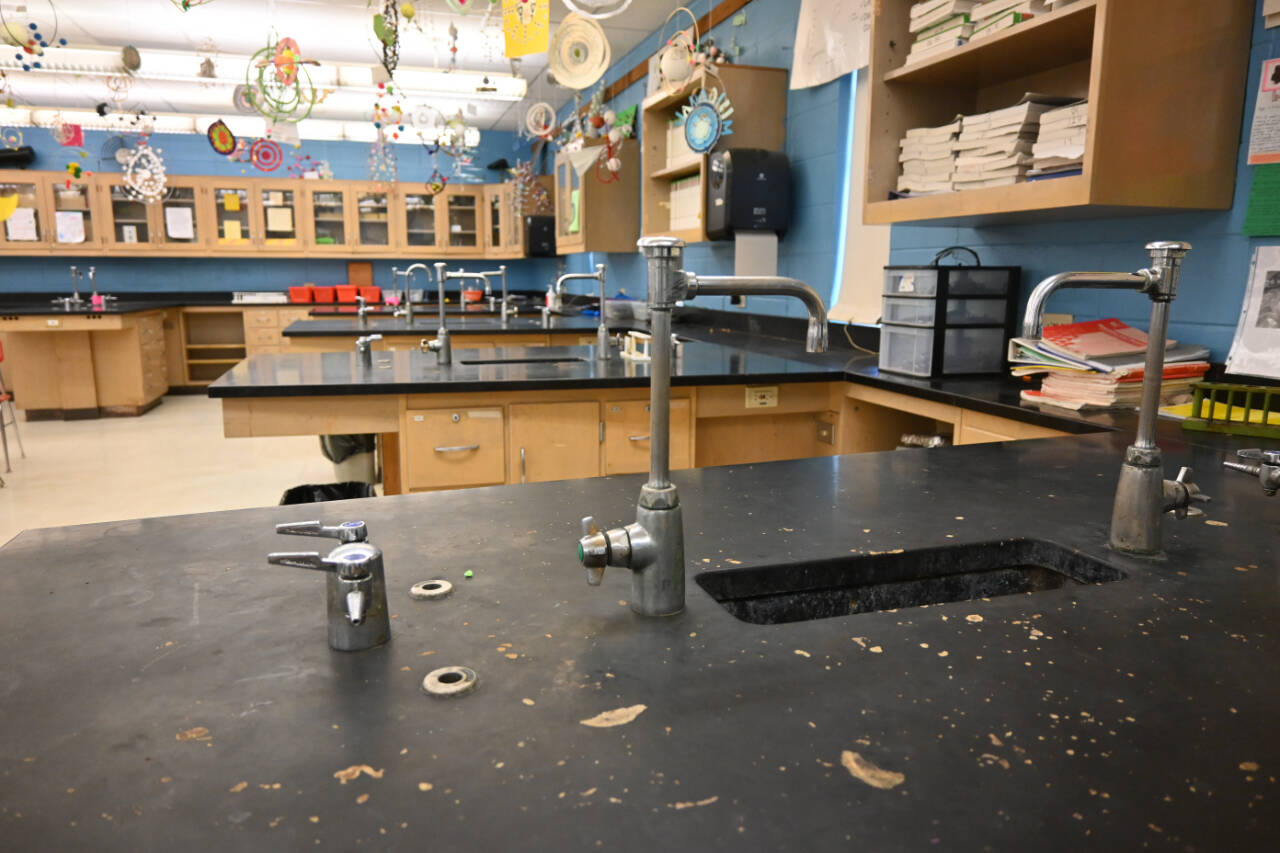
point(468, 573)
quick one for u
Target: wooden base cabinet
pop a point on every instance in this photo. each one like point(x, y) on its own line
point(453, 447)
point(554, 441)
point(626, 436)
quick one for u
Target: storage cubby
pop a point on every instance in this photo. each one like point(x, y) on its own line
point(213, 342)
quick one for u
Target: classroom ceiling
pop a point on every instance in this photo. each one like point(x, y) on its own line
point(332, 32)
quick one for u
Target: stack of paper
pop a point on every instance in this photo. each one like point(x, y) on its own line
point(1059, 148)
point(927, 159)
point(939, 26)
point(993, 16)
point(994, 149)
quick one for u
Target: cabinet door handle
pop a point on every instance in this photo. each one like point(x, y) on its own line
point(456, 448)
point(644, 437)
point(522, 464)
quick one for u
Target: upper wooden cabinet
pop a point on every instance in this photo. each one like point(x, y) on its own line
point(675, 177)
point(594, 216)
point(1150, 70)
point(241, 217)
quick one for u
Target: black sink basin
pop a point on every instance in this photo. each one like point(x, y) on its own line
point(819, 589)
point(527, 360)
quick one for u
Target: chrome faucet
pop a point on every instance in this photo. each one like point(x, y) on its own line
point(500, 272)
point(68, 302)
point(441, 344)
point(356, 586)
point(1142, 494)
point(653, 546)
point(1263, 464)
point(602, 331)
point(362, 311)
point(406, 309)
point(364, 347)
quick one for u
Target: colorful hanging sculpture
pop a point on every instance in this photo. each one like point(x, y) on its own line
point(382, 160)
point(706, 119)
point(677, 57)
point(11, 137)
point(277, 84)
point(31, 38)
point(579, 52)
point(388, 114)
point(528, 197)
point(540, 120)
point(144, 176)
point(598, 9)
point(221, 138)
point(386, 28)
point(436, 183)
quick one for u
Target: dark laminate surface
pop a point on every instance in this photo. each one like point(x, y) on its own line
point(122, 306)
point(414, 372)
point(1114, 717)
point(427, 323)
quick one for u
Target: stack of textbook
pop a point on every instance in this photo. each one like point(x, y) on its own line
point(939, 26)
point(927, 159)
point(994, 149)
point(995, 16)
point(1059, 148)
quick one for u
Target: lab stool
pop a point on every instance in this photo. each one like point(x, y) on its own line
point(8, 418)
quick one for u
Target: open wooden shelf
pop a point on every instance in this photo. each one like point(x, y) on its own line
point(690, 166)
point(1146, 71)
point(1043, 43)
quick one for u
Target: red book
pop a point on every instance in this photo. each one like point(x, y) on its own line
point(1096, 338)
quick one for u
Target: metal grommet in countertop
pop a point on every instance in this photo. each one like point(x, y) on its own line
point(431, 589)
point(450, 681)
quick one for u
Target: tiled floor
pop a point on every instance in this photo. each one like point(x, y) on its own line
point(172, 460)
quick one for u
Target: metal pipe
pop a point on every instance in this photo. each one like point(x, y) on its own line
point(1033, 318)
point(501, 271)
point(1153, 375)
point(660, 398)
point(746, 285)
point(463, 275)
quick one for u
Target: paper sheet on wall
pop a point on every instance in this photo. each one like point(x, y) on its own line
point(833, 37)
point(1256, 348)
point(1264, 138)
point(1262, 218)
point(69, 225)
point(177, 223)
point(21, 225)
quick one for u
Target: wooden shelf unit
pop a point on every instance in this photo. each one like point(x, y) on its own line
point(759, 98)
point(211, 329)
point(1144, 65)
point(608, 215)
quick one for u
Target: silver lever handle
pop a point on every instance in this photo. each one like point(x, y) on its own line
point(456, 448)
point(347, 531)
point(1189, 493)
point(644, 437)
point(301, 560)
point(593, 551)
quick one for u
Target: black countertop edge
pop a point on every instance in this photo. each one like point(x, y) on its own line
point(425, 323)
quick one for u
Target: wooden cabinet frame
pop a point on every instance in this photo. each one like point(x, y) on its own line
point(608, 215)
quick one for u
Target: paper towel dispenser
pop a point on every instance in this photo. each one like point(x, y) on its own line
point(748, 189)
point(540, 236)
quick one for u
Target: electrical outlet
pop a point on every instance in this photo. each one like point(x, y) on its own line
point(762, 397)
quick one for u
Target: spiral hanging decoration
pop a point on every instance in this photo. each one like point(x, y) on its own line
point(579, 52)
point(277, 84)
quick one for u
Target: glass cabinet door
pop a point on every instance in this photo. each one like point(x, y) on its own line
point(568, 203)
point(73, 216)
point(329, 215)
point(463, 220)
point(279, 218)
point(372, 210)
point(179, 228)
point(420, 219)
point(497, 219)
point(231, 205)
point(24, 228)
point(130, 220)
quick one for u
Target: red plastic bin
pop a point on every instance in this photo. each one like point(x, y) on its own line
point(300, 294)
point(322, 294)
point(371, 294)
point(347, 292)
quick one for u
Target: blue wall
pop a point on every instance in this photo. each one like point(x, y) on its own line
point(818, 144)
point(189, 154)
point(1213, 284)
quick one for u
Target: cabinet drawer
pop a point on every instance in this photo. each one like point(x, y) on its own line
point(292, 315)
point(447, 448)
point(626, 436)
point(261, 317)
point(262, 337)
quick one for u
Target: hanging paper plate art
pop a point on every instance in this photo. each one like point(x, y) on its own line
point(579, 52)
point(706, 119)
point(221, 138)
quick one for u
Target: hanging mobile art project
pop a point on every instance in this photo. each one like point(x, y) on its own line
point(578, 54)
point(266, 155)
point(436, 183)
point(526, 26)
point(528, 197)
point(706, 119)
point(382, 160)
point(221, 138)
point(11, 137)
point(186, 5)
point(386, 28)
point(144, 177)
point(277, 84)
point(540, 120)
point(677, 57)
point(388, 114)
point(598, 9)
point(30, 36)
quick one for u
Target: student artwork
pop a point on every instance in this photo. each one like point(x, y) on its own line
point(578, 54)
point(388, 114)
point(144, 177)
point(677, 57)
point(10, 137)
point(277, 84)
point(66, 134)
point(266, 155)
point(436, 183)
point(598, 9)
point(304, 166)
point(386, 29)
point(528, 197)
point(186, 5)
point(453, 48)
point(526, 26)
point(31, 37)
point(540, 120)
point(208, 53)
point(382, 160)
point(118, 88)
point(429, 122)
point(221, 138)
point(242, 99)
point(706, 119)
point(75, 170)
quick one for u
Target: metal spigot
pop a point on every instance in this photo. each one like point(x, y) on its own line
point(602, 330)
point(1142, 494)
point(364, 347)
point(1263, 464)
point(406, 304)
point(501, 272)
point(653, 546)
point(362, 311)
point(356, 587)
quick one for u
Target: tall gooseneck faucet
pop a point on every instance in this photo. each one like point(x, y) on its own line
point(441, 345)
point(501, 273)
point(602, 330)
point(653, 546)
point(1142, 494)
point(408, 290)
